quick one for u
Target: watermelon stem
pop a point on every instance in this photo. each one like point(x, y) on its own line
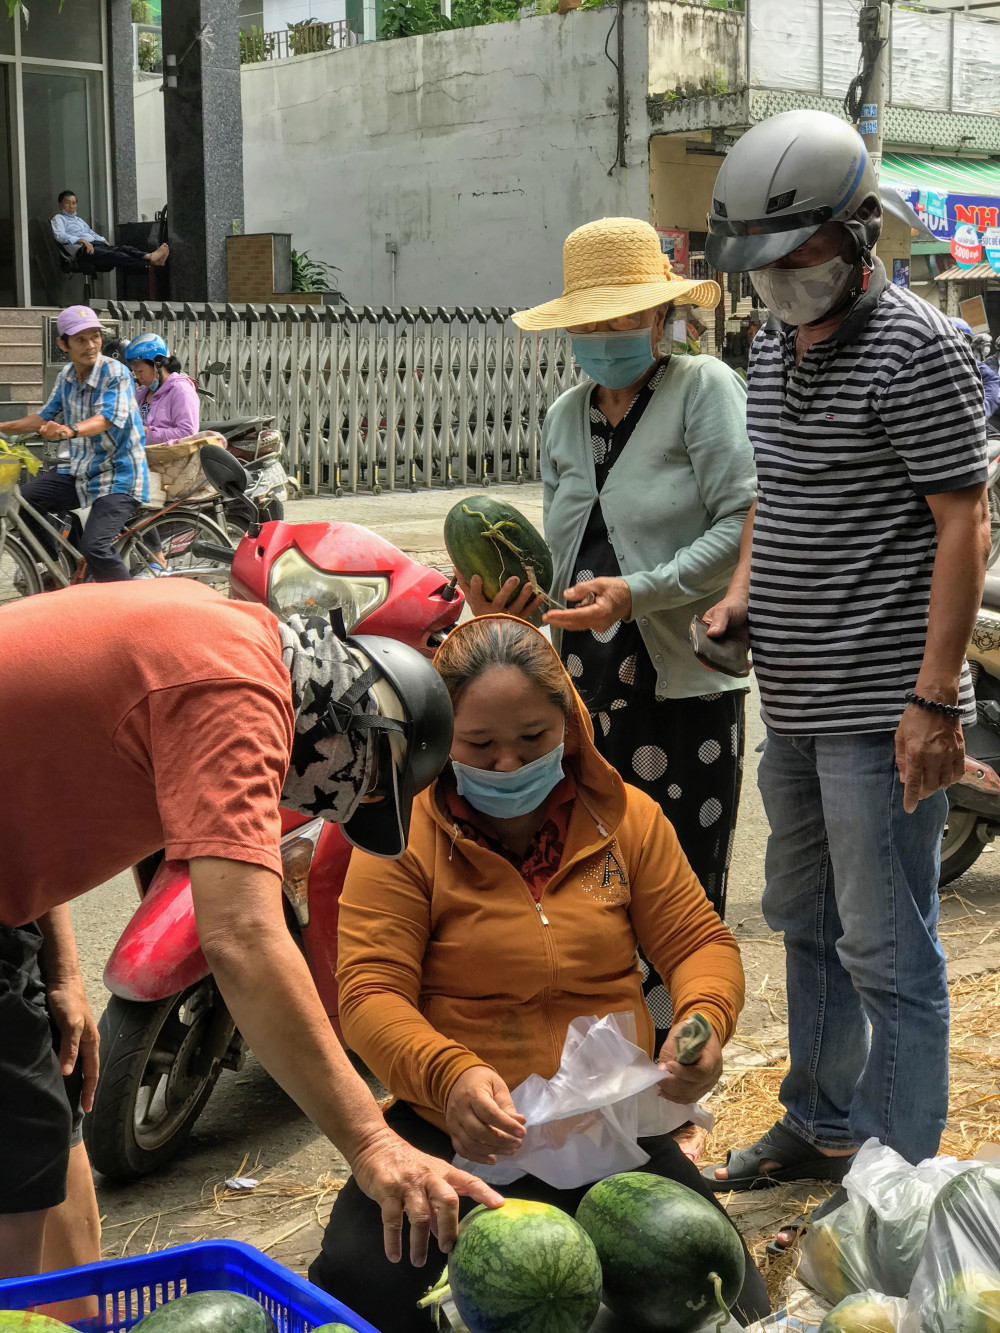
point(723, 1307)
point(438, 1293)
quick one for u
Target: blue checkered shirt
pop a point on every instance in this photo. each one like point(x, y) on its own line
point(113, 463)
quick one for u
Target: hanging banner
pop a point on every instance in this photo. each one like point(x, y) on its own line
point(901, 272)
point(991, 248)
point(943, 214)
point(674, 244)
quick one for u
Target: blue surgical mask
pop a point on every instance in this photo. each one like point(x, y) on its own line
point(615, 360)
point(507, 795)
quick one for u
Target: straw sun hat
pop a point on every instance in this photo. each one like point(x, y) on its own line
point(614, 267)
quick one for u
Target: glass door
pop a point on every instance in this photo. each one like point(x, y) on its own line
point(8, 260)
point(63, 133)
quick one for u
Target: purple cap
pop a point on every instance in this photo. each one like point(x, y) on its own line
point(76, 318)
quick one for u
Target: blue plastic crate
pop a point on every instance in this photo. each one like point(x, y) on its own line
point(130, 1288)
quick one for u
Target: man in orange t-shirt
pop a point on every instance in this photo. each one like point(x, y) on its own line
point(140, 716)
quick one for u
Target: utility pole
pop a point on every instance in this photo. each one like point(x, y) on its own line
point(874, 27)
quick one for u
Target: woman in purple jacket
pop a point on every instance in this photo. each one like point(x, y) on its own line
point(168, 400)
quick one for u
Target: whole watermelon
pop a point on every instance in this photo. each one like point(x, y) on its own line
point(491, 538)
point(25, 1321)
point(524, 1268)
point(858, 1314)
point(659, 1243)
point(208, 1312)
point(966, 1303)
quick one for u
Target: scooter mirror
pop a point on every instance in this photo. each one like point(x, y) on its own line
point(215, 368)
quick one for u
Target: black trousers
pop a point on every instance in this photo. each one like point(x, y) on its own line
point(55, 493)
point(107, 257)
point(352, 1265)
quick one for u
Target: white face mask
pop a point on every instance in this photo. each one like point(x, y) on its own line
point(803, 295)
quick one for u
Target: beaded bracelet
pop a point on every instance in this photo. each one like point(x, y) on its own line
point(949, 710)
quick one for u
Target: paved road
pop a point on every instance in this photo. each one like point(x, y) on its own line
point(248, 1114)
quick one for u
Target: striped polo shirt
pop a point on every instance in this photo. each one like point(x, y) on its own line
point(113, 463)
point(886, 411)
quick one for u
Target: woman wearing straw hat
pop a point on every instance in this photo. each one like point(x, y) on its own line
point(648, 477)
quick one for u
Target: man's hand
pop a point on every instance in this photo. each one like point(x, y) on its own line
point(402, 1180)
point(79, 1038)
point(88, 247)
point(504, 603)
point(55, 430)
point(727, 617)
point(605, 601)
point(689, 1083)
point(930, 753)
point(480, 1116)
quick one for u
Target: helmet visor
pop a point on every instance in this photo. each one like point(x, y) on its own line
point(737, 246)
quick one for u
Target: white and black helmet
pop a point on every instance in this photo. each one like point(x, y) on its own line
point(781, 181)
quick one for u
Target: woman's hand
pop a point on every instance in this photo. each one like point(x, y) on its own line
point(480, 1116)
point(727, 617)
point(504, 603)
point(689, 1083)
point(604, 602)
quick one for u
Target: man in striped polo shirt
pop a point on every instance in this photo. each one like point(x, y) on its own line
point(103, 464)
point(860, 574)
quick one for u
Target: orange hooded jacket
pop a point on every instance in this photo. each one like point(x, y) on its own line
point(447, 961)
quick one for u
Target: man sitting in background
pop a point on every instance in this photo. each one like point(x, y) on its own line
point(92, 252)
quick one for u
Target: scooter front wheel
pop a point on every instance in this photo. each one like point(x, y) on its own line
point(159, 1064)
point(961, 845)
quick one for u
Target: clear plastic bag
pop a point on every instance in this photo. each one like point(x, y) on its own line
point(899, 1198)
point(875, 1239)
point(865, 1311)
point(956, 1288)
point(583, 1122)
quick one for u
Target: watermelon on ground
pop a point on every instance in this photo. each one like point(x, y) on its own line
point(522, 1268)
point(491, 538)
point(208, 1312)
point(669, 1257)
point(967, 1302)
point(860, 1313)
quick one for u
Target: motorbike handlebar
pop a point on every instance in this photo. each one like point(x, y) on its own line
point(209, 551)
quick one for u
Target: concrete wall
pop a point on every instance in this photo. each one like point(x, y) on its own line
point(477, 151)
point(279, 13)
point(695, 51)
point(680, 183)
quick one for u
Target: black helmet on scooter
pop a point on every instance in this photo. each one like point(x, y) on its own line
point(412, 732)
point(782, 181)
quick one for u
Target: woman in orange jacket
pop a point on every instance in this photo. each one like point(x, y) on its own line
point(531, 874)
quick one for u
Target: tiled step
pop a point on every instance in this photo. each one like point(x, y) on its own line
point(14, 411)
point(21, 354)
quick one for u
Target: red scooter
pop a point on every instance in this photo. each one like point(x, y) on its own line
point(166, 1033)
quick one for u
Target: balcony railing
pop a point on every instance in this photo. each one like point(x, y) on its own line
point(298, 39)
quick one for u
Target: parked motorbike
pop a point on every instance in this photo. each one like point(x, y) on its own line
point(974, 801)
point(993, 496)
point(166, 1033)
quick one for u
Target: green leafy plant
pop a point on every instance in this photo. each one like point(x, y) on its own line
point(312, 275)
point(414, 18)
point(309, 36)
point(150, 51)
point(255, 45)
point(142, 11)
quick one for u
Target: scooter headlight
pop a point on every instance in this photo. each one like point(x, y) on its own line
point(299, 588)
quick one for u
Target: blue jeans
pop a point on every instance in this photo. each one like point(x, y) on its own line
point(852, 880)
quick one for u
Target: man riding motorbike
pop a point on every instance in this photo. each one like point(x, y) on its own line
point(104, 465)
point(190, 719)
point(987, 373)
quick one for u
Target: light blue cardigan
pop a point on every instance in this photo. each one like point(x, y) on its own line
point(674, 505)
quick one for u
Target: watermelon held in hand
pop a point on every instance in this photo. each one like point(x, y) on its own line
point(671, 1260)
point(490, 538)
point(522, 1268)
point(208, 1312)
point(967, 1303)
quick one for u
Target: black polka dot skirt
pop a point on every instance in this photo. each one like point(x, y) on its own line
point(688, 755)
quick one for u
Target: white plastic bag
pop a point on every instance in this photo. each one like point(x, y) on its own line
point(899, 1196)
point(875, 1239)
point(956, 1287)
point(583, 1122)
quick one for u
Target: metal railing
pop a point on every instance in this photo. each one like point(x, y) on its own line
point(298, 39)
point(375, 399)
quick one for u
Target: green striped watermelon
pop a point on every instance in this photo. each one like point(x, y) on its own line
point(669, 1257)
point(208, 1312)
point(523, 1268)
point(491, 538)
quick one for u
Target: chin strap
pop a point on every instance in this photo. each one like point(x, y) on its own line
point(342, 716)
